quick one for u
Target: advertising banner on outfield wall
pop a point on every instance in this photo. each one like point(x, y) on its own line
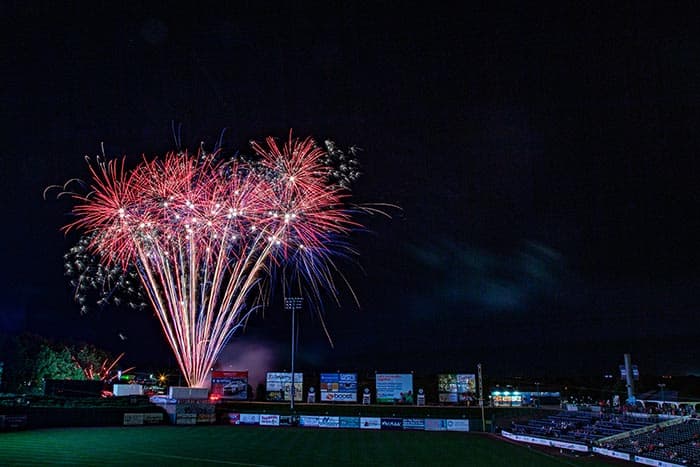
point(329, 422)
point(457, 424)
point(250, 419)
point(349, 422)
point(394, 388)
point(392, 423)
point(234, 418)
point(370, 423)
point(413, 424)
point(308, 421)
point(435, 424)
point(133, 419)
point(338, 387)
point(269, 420)
point(230, 385)
point(186, 419)
point(289, 420)
point(152, 418)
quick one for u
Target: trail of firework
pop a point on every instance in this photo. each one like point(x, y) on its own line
point(203, 234)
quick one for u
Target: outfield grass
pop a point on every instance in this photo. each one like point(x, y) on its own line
point(263, 446)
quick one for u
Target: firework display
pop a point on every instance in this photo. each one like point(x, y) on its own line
point(201, 233)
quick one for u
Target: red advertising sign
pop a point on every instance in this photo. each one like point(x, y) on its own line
point(229, 384)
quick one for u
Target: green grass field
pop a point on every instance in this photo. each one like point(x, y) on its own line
point(263, 446)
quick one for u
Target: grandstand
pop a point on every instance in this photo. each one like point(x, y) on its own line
point(672, 441)
point(676, 441)
point(583, 427)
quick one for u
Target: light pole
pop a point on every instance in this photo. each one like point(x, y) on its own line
point(293, 304)
point(481, 396)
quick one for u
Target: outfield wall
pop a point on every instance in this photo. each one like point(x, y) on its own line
point(355, 422)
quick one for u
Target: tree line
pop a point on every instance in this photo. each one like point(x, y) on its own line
point(27, 360)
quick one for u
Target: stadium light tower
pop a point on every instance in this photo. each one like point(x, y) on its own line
point(481, 396)
point(293, 304)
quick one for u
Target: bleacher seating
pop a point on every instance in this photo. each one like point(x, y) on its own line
point(678, 443)
point(579, 426)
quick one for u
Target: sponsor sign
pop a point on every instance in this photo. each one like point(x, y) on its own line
point(234, 418)
point(328, 422)
point(338, 387)
point(250, 419)
point(435, 424)
point(287, 420)
point(454, 387)
point(392, 423)
point(370, 423)
point(394, 388)
point(133, 419)
point(152, 418)
point(279, 386)
point(413, 424)
point(570, 446)
point(611, 453)
point(269, 420)
point(203, 412)
point(457, 424)
point(658, 463)
point(546, 442)
point(308, 421)
point(206, 418)
point(230, 385)
point(186, 419)
point(349, 422)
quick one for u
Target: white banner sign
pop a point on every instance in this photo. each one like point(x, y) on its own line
point(611, 453)
point(269, 420)
point(370, 423)
point(546, 442)
point(657, 463)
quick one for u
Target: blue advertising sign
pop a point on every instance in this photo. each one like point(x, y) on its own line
point(338, 387)
point(349, 422)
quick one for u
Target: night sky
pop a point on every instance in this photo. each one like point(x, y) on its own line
point(544, 160)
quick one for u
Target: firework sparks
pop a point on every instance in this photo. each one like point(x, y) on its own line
point(202, 233)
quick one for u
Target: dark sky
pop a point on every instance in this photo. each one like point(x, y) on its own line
point(545, 161)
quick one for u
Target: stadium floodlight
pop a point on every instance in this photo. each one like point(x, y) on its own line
point(293, 304)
